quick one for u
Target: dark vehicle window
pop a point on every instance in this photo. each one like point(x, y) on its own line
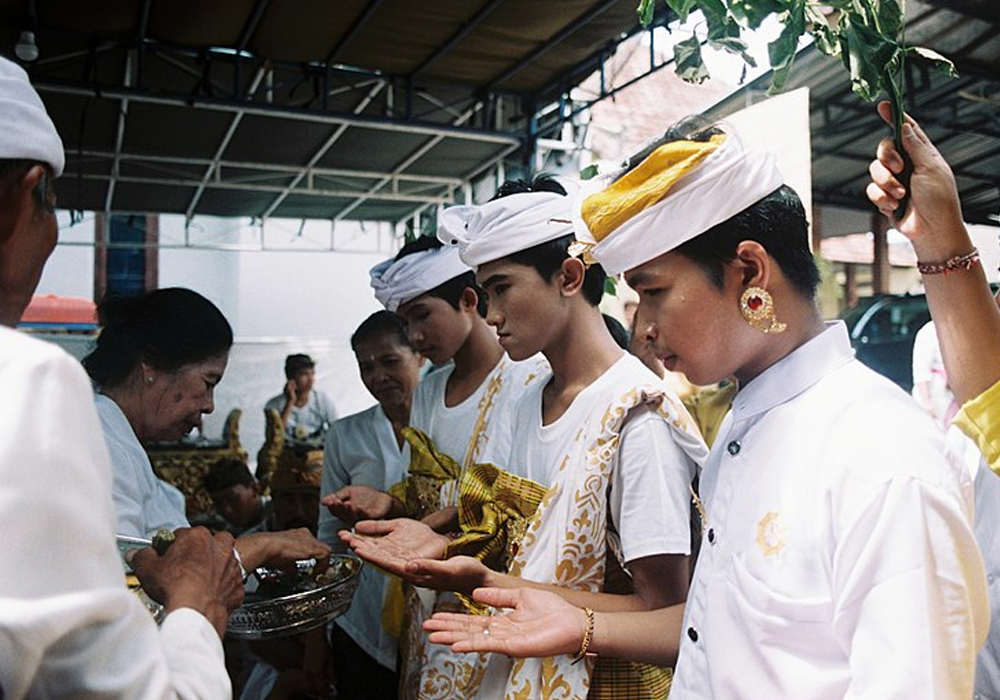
point(882, 330)
point(896, 321)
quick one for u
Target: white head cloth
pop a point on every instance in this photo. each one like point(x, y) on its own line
point(26, 131)
point(507, 225)
point(397, 282)
point(728, 181)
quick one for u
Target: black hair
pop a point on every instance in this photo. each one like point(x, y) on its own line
point(167, 328)
point(13, 169)
point(451, 291)
point(547, 258)
point(381, 323)
point(226, 473)
point(617, 331)
point(777, 222)
point(294, 364)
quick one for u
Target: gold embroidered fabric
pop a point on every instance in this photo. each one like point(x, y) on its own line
point(420, 492)
point(493, 512)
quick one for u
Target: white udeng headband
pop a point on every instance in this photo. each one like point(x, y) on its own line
point(397, 282)
point(27, 133)
point(507, 225)
point(727, 182)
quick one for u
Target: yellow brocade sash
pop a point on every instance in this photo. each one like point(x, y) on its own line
point(493, 512)
point(430, 470)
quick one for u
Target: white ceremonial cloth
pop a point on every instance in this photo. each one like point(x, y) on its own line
point(451, 427)
point(838, 559)
point(396, 282)
point(28, 132)
point(649, 497)
point(309, 421)
point(144, 503)
point(362, 449)
point(491, 231)
point(68, 625)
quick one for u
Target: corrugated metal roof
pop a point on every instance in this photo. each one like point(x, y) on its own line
point(351, 109)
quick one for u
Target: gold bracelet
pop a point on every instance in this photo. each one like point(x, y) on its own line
point(588, 635)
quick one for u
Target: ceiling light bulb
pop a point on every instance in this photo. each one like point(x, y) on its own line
point(26, 49)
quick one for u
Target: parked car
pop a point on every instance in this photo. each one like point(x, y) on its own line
point(882, 329)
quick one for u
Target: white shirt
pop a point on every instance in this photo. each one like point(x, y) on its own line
point(68, 625)
point(838, 559)
point(362, 449)
point(144, 502)
point(987, 486)
point(452, 427)
point(649, 495)
point(309, 421)
point(928, 368)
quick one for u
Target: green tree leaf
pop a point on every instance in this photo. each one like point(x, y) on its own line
point(871, 55)
point(646, 10)
point(687, 59)
point(682, 8)
point(934, 57)
point(751, 13)
point(781, 51)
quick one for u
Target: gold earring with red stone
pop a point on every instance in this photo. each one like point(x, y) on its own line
point(757, 307)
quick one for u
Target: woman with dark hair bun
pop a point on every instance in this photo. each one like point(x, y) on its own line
point(156, 365)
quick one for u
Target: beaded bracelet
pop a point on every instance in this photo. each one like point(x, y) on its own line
point(588, 635)
point(959, 262)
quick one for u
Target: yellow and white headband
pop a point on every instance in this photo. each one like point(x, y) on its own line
point(681, 190)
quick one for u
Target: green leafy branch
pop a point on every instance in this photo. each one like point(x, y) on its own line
point(867, 35)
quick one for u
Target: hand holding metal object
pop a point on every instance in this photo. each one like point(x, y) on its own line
point(162, 540)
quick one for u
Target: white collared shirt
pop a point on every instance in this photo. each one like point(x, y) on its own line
point(838, 558)
point(68, 625)
point(144, 503)
point(362, 449)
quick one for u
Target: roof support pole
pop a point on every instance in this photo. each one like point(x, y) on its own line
point(119, 138)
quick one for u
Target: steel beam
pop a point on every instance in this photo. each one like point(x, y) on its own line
point(276, 112)
point(321, 151)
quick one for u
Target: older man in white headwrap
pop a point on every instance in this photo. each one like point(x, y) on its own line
point(68, 625)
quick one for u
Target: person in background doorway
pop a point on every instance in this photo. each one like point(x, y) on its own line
point(305, 411)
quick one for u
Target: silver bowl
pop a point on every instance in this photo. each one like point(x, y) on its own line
point(284, 615)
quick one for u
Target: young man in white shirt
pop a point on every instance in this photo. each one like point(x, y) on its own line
point(366, 449)
point(458, 407)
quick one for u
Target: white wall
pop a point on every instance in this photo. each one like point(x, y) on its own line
point(307, 296)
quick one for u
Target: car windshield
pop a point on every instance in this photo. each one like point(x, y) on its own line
point(852, 315)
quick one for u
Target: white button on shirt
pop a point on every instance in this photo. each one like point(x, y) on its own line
point(841, 561)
